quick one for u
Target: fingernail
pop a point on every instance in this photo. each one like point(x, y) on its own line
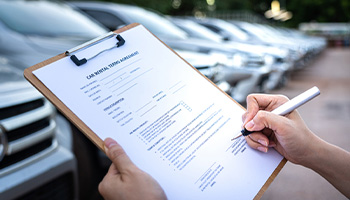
point(263, 142)
point(262, 149)
point(109, 142)
point(249, 125)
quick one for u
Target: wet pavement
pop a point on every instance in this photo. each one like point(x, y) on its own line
point(328, 116)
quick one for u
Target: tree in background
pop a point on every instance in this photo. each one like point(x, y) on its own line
point(303, 10)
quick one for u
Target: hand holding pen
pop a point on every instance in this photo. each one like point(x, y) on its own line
point(290, 105)
point(265, 127)
point(290, 136)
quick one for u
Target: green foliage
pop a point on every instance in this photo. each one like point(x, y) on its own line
point(319, 11)
point(303, 10)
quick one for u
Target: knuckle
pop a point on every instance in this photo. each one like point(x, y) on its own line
point(283, 97)
point(250, 97)
point(261, 115)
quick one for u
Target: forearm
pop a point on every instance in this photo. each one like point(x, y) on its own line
point(331, 162)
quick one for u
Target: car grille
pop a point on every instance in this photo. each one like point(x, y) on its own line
point(28, 128)
point(255, 61)
point(19, 109)
point(58, 189)
point(17, 157)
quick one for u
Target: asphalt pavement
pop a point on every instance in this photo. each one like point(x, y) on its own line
point(328, 116)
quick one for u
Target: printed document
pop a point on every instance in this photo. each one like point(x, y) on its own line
point(172, 122)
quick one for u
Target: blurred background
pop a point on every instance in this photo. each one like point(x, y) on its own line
point(280, 47)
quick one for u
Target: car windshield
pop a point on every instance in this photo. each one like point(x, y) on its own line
point(233, 30)
point(157, 24)
point(198, 31)
point(40, 18)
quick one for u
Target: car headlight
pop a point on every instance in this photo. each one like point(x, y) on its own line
point(239, 60)
point(220, 58)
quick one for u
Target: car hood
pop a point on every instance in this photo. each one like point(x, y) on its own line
point(9, 73)
point(196, 45)
point(204, 46)
point(13, 86)
point(35, 49)
point(54, 45)
point(47, 47)
point(198, 60)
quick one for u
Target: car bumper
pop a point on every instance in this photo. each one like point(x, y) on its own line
point(55, 174)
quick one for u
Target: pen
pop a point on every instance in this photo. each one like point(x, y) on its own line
point(290, 105)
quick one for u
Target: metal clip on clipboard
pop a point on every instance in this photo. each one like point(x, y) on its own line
point(82, 61)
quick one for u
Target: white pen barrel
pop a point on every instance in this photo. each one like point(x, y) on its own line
point(297, 101)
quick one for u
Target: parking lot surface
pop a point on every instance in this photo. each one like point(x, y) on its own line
point(328, 116)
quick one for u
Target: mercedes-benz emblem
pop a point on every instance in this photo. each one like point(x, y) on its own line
point(3, 143)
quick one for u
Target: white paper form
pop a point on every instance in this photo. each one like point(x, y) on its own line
point(172, 122)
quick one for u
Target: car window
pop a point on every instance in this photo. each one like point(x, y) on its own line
point(199, 31)
point(233, 30)
point(111, 21)
point(212, 28)
point(40, 18)
point(157, 24)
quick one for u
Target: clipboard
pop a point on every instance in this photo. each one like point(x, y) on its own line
point(29, 75)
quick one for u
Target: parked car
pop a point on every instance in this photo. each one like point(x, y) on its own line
point(209, 65)
point(36, 146)
point(279, 59)
point(114, 15)
point(30, 32)
point(302, 48)
point(253, 62)
point(33, 31)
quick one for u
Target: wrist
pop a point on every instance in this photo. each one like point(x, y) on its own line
point(315, 156)
point(313, 152)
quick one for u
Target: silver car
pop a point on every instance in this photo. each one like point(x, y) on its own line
point(36, 158)
point(30, 32)
point(114, 15)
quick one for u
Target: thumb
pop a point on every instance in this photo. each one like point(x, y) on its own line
point(265, 119)
point(117, 155)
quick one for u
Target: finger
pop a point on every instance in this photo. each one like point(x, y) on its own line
point(244, 116)
point(256, 102)
point(260, 138)
point(252, 108)
point(105, 185)
point(264, 119)
point(255, 144)
point(113, 170)
point(117, 155)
